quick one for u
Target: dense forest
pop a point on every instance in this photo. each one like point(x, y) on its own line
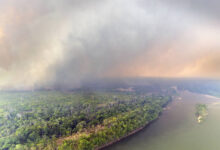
point(74, 120)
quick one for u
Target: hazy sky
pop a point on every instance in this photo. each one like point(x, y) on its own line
point(47, 43)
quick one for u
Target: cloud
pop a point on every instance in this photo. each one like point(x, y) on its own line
point(207, 65)
point(208, 9)
point(64, 43)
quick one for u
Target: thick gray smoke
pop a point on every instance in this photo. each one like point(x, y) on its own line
point(61, 44)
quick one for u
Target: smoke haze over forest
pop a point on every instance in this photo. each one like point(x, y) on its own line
point(64, 43)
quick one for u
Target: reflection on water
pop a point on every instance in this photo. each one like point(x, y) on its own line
point(177, 128)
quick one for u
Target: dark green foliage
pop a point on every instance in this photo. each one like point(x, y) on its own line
point(38, 119)
point(118, 126)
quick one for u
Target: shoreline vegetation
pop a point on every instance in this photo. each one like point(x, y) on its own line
point(201, 112)
point(126, 136)
point(75, 120)
point(116, 128)
point(59, 141)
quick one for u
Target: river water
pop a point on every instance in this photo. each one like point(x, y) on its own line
point(177, 128)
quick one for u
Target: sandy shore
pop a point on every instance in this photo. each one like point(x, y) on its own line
point(210, 96)
point(199, 119)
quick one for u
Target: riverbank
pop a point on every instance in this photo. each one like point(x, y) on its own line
point(211, 96)
point(139, 114)
point(177, 128)
point(135, 131)
point(122, 138)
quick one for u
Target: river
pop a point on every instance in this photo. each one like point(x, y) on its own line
point(177, 128)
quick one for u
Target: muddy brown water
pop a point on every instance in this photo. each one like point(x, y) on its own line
point(177, 127)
